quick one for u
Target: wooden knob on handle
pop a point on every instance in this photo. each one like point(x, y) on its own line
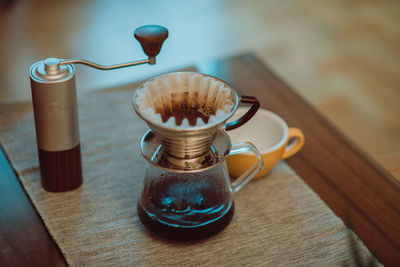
point(151, 37)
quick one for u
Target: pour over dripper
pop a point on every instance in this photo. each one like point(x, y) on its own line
point(187, 142)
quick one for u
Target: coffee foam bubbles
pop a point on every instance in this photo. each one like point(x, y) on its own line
point(174, 91)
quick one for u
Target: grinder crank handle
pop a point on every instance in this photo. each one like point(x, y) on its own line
point(255, 105)
point(150, 37)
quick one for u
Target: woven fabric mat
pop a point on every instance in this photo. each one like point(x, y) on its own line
point(278, 219)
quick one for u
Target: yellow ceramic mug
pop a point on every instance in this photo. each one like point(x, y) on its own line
point(270, 134)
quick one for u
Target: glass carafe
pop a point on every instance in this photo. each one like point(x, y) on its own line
point(193, 205)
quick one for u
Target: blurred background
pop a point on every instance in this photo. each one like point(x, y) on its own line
point(342, 56)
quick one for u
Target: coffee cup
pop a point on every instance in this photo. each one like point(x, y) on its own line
point(272, 137)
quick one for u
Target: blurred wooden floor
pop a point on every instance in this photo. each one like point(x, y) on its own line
point(343, 56)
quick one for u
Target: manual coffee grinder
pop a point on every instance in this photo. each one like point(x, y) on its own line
point(56, 114)
point(187, 193)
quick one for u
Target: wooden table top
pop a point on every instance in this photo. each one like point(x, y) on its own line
point(353, 185)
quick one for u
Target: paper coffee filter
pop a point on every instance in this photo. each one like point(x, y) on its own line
point(174, 92)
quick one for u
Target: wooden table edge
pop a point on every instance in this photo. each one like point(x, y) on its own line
point(371, 186)
point(25, 236)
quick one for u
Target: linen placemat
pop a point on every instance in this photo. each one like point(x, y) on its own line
point(278, 219)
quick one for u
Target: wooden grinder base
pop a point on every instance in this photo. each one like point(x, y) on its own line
point(60, 170)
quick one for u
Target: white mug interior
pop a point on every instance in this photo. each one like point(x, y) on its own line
point(266, 130)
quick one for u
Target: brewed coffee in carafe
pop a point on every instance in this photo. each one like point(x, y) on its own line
point(185, 206)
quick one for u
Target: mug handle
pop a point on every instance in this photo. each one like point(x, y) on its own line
point(298, 137)
point(255, 105)
point(249, 174)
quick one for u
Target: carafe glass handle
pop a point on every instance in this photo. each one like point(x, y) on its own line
point(249, 174)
